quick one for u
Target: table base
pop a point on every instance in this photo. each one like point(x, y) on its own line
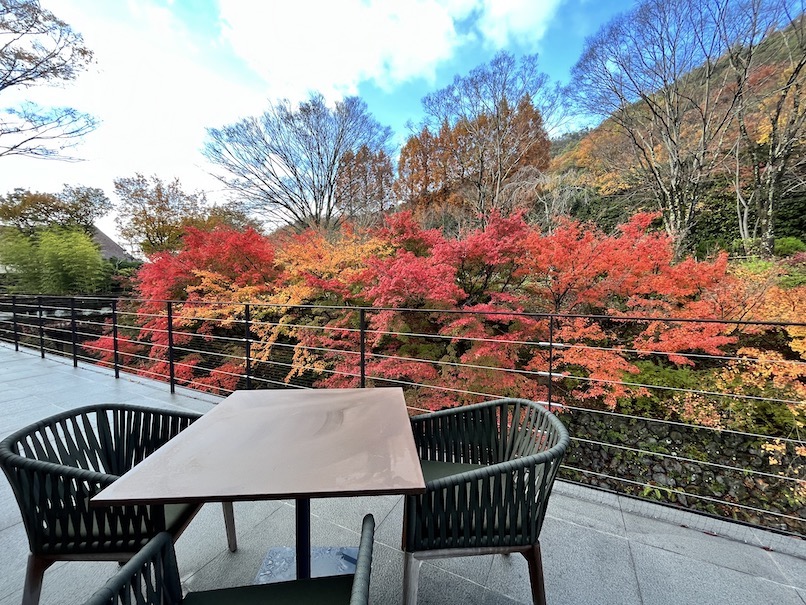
point(279, 564)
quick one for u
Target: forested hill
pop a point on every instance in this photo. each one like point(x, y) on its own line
point(702, 120)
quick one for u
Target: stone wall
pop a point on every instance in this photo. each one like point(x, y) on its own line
point(691, 461)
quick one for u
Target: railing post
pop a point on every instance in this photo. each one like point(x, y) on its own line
point(73, 334)
point(247, 345)
point(41, 326)
point(14, 323)
point(115, 359)
point(362, 331)
point(551, 358)
point(171, 376)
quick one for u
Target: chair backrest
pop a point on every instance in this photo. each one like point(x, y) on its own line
point(106, 438)
point(489, 433)
point(151, 577)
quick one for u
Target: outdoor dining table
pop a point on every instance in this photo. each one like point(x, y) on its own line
point(282, 444)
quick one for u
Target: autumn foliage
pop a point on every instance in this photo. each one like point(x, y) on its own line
point(604, 301)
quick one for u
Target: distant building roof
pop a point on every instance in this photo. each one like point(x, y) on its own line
point(109, 247)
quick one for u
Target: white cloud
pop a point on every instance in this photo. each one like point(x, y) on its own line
point(333, 47)
point(152, 92)
point(522, 21)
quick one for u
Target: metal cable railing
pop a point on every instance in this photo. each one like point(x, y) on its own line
point(628, 443)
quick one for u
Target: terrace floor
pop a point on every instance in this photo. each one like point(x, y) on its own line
point(597, 547)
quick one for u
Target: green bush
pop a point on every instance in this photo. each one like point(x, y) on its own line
point(53, 261)
point(787, 246)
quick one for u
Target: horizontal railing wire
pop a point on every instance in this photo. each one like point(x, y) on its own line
point(286, 355)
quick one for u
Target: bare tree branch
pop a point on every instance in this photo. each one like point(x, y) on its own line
point(38, 48)
point(285, 163)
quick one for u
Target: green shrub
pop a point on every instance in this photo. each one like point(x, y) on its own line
point(787, 246)
point(53, 261)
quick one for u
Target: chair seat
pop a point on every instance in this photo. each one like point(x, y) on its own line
point(437, 469)
point(333, 589)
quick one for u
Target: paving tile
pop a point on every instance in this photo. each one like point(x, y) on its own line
point(11, 393)
point(9, 510)
point(587, 514)
point(386, 582)
point(579, 564)
point(793, 569)
point(389, 530)
point(667, 577)
point(594, 543)
point(349, 512)
point(205, 538)
point(74, 581)
point(438, 586)
point(789, 545)
point(19, 413)
point(13, 556)
point(693, 543)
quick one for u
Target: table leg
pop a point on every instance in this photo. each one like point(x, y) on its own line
point(303, 538)
point(229, 524)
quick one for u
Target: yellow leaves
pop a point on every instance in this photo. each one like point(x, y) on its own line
point(698, 409)
point(603, 157)
point(762, 369)
point(311, 260)
point(756, 294)
point(776, 451)
point(763, 132)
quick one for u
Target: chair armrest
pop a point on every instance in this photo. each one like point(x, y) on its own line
point(156, 562)
point(11, 462)
point(363, 566)
point(506, 468)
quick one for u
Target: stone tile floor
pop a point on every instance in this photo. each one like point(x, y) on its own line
point(597, 547)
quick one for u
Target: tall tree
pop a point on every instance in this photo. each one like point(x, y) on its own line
point(153, 214)
point(767, 56)
point(479, 132)
point(38, 48)
point(364, 183)
point(77, 206)
point(285, 163)
point(655, 71)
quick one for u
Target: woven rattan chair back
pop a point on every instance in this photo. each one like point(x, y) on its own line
point(151, 577)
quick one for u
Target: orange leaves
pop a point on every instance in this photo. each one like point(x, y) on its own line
point(314, 266)
point(473, 155)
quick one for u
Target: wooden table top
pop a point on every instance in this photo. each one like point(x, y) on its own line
point(278, 444)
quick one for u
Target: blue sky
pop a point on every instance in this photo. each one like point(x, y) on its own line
point(166, 69)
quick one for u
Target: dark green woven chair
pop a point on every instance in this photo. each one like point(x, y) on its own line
point(152, 578)
point(488, 469)
point(56, 465)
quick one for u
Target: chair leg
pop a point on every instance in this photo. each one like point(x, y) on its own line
point(535, 560)
point(229, 524)
point(411, 578)
point(34, 571)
